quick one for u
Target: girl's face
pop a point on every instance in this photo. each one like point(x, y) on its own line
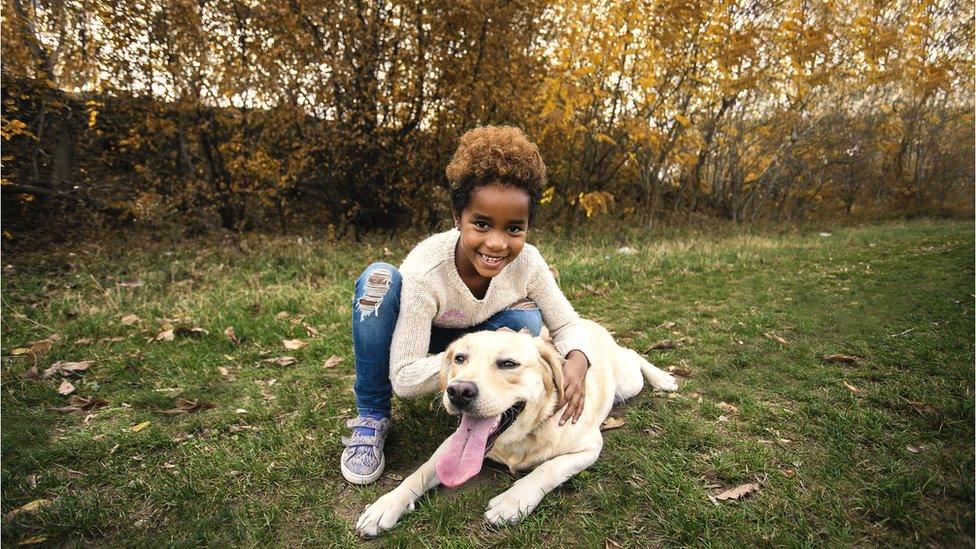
point(493, 228)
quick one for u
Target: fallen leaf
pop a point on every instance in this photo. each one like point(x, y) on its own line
point(851, 388)
point(914, 449)
point(19, 351)
point(738, 492)
point(294, 344)
point(844, 359)
point(31, 373)
point(282, 315)
point(115, 339)
point(78, 404)
point(667, 325)
point(789, 473)
point(83, 341)
point(778, 339)
point(223, 371)
point(165, 335)
point(40, 347)
point(668, 344)
point(129, 320)
point(33, 540)
point(310, 330)
point(65, 368)
point(332, 361)
point(184, 406)
point(139, 427)
point(612, 423)
point(281, 360)
point(31, 507)
point(610, 544)
point(66, 388)
point(679, 371)
point(229, 332)
point(728, 407)
point(722, 419)
point(129, 284)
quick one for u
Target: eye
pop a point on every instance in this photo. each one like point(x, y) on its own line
point(480, 224)
point(515, 229)
point(459, 359)
point(507, 364)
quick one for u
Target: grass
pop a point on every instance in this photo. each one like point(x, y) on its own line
point(879, 452)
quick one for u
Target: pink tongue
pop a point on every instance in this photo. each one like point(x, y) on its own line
point(465, 451)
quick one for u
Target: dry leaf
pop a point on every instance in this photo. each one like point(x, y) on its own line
point(31, 507)
point(789, 473)
point(129, 320)
point(679, 371)
point(33, 540)
point(738, 492)
point(184, 406)
point(728, 407)
point(914, 449)
point(229, 332)
point(19, 351)
point(281, 360)
point(667, 325)
point(778, 339)
point(132, 284)
point(165, 335)
point(283, 315)
point(310, 330)
point(31, 373)
point(83, 341)
point(64, 368)
point(66, 388)
point(722, 419)
point(139, 427)
point(851, 388)
point(115, 339)
point(41, 347)
point(78, 404)
point(223, 371)
point(610, 544)
point(668, 344)
point(612, 423)
point(332, 361)
point(294, 344)
point(844, 359)
point(195, 331)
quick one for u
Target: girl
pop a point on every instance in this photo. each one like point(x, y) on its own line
point(481, 275)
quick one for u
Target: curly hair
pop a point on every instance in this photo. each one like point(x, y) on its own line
point(495, 155)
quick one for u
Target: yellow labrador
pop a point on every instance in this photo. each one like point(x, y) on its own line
point(506, 386)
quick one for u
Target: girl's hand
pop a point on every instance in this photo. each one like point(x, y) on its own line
point(574, 393)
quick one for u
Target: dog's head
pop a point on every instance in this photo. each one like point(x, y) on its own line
point(503, 385)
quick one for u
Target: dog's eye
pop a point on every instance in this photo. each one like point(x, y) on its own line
point(506, 364)
point(459, 359)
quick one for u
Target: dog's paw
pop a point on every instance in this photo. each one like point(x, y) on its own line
point(509, 507)
point(383, 514)
point(663, 381)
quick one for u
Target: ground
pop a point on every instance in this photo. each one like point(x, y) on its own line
point(873, 452)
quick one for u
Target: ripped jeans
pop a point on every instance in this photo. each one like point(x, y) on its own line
point(375, 308)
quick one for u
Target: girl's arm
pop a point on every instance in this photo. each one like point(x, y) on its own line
point(412, 372)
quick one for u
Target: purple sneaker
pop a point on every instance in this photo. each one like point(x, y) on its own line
point(362, 461)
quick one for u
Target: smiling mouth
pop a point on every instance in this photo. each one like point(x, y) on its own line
point(491, 261)
point(505, 421)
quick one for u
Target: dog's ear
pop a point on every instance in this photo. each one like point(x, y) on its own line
point(553, 363)
point(446, 363)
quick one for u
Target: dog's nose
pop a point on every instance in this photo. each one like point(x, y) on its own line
point(461, 393)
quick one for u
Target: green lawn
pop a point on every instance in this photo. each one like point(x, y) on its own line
point(876, 452)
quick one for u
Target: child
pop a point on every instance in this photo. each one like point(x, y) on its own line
point(481, 275)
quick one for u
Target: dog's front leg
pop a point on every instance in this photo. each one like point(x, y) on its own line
point(384, 513)
point(522, 498)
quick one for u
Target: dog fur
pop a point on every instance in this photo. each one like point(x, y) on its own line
point(535, 440)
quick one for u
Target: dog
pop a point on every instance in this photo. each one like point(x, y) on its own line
point(507, 387)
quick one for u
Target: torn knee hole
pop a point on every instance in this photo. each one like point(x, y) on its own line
point(377, 285)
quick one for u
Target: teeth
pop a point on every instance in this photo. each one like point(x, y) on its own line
point(491, 260)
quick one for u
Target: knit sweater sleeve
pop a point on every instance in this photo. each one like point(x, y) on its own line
point(412, 372)
point(557, 313)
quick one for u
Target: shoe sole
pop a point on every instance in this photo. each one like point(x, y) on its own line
point(363, 479)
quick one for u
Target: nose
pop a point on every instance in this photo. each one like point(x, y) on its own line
point(495, 241)
point(461, 393)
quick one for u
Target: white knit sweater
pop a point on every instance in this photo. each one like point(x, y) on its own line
point(433, 294)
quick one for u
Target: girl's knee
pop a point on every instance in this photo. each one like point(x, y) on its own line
point(374, 286)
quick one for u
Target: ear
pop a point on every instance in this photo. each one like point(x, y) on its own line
point(457, 218)
point(552, 362)
point(446, 362)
